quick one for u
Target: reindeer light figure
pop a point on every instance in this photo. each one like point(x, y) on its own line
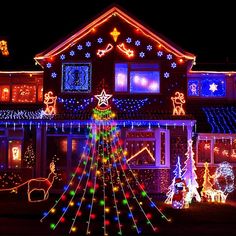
point(50, 102)
point(42, 184)
point(37, 185)
point(178, 102)
point(3, 48)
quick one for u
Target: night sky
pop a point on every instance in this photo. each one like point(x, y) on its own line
point(204, 29)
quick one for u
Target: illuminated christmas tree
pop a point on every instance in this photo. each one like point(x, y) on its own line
point(177, 174)
point(29, 156)
point(190, 175)
point(104, 196)
point(207, 185)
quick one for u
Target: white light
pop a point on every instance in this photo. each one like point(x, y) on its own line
point(153, 86)
point(144, 81)
point(136, 79)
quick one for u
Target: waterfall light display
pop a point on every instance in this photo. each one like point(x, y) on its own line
point(103, 196)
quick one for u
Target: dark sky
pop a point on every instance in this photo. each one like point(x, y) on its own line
point(204, 28)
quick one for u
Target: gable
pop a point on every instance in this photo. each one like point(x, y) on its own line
point(113, 21)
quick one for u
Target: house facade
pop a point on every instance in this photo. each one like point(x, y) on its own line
point(159, 101)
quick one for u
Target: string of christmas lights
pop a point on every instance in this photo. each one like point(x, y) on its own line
point(103, 195)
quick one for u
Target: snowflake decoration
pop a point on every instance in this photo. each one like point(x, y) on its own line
point(87, 55)
point(79, 47)
point(142, 54)
point(166, 75)
point(137, 43)
point(173, 65)
point(159, 53)
point(54, 75)
point(149, 47)
point(88, 44)
point(49, 65)
point(100, 40)
point(128, 40)
point(169, 57)
point(62, 57)
point(72, 53)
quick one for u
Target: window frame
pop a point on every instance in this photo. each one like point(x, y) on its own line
point(129, 70)
point(157, 140)
point(212, 138)
point(76, 64)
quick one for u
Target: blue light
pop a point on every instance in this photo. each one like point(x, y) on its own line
point(213, 87)
point(76, 77)
point(193, 88)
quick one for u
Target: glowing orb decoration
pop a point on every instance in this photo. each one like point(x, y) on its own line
point(224, 178)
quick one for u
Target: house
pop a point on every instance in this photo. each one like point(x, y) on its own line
point(159, 100)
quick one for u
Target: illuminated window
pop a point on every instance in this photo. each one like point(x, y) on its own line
point(14, 153)
point(208, 86)
point(76, 77)
point(215, 149)
point(225, 150)
point(40, 93)
point(204, 151)
point(4, 93)
point(23, 93)
point(193, 88)
point(3, 145)
point(137, 77)
point(147, 148)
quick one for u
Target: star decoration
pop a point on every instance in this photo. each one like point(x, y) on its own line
point(72, 53)
point(100, 40)
point(62, 57)
point(213, 87)
point(149, 47)
point(128, 40)
point(87, 55)
point(159, 53)
point(137, 43)
point(79, 47)
point(173, 65)
point(49, 65)
point(88, 44)
point(115, 34)
point(169, 57)
point(142, 54)
point(103, 98)
point(166, 75)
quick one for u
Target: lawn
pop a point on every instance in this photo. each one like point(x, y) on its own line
point(20, 218)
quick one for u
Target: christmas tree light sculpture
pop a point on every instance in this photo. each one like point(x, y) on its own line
point(177, 174)
point(103, 196)
point(207, 189)
point(190, 176)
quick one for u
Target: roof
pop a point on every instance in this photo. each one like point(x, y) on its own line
point(113, 11)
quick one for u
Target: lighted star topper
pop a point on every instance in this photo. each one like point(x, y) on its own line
point(103, 98)
point(213, 87)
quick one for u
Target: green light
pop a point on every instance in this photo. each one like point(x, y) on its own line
point(52, 226)
point(84, 162)
point(91, 190)
point(144, 194)
point(124, 201)
point(72, 192)
point(101, 203)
